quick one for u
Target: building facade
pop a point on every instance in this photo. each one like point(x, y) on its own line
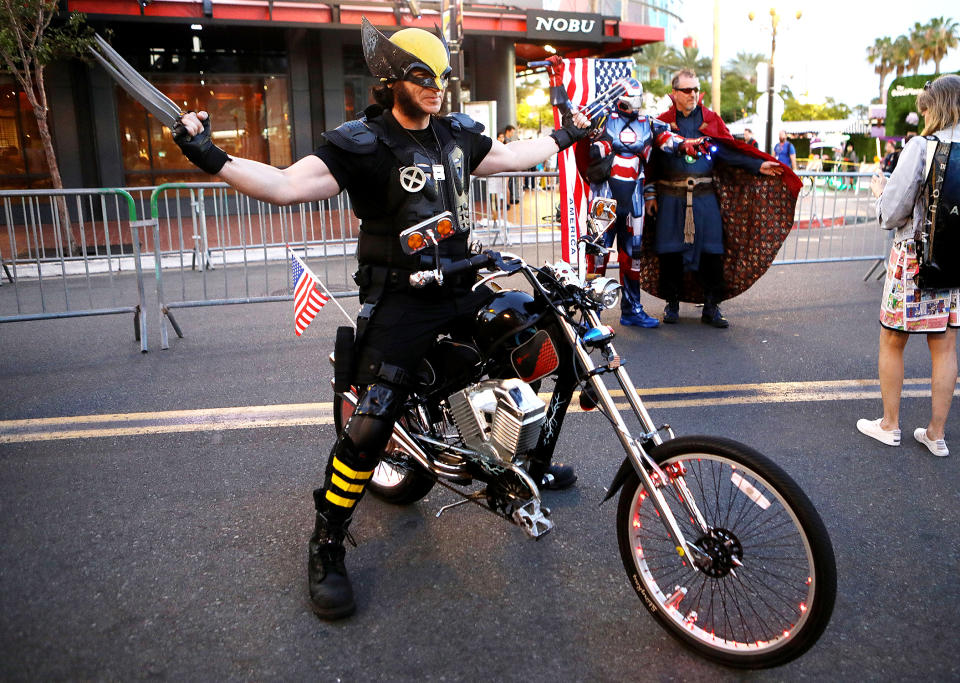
point(273, 75)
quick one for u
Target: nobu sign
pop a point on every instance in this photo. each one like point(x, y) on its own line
point(564, 25)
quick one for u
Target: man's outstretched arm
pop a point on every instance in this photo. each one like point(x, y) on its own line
point(524, 154)
point(307, 180)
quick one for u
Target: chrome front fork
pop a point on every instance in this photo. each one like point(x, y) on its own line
point(651, 475)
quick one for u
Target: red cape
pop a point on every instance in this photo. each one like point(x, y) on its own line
point(757, 213)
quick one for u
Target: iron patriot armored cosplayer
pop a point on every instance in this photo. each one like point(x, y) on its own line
point(618, 157)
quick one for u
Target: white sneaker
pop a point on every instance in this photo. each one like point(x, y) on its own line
point(937, 447)
point(872, 428)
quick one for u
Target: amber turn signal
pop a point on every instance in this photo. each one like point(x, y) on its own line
point(415, 241)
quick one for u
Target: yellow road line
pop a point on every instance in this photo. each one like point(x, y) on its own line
point(199, 414)
point(159, 429)
point(321, 413)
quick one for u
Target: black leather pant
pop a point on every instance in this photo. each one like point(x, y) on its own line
point(709, 275)
point(402, 329)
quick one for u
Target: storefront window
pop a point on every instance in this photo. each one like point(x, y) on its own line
point(250, 118)
point(357, 82)
point(23, 164)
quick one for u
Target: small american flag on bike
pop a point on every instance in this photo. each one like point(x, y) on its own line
point(307, 299)
point(583, 80)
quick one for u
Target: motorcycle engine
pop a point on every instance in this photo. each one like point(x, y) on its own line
point(502, 415)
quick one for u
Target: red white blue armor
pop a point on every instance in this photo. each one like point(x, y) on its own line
point(629, 139)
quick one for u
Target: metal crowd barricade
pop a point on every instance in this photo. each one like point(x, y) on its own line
point(71, 253)
point(66, 255)
point(519, 212)
point(213, 246)
point(835, 220)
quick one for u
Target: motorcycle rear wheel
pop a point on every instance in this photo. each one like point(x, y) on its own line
point(391, 483)
point(769, 592)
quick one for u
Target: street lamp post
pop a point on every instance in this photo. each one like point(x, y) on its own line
point(774, 21)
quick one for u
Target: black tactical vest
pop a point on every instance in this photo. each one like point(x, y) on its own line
point(420, 185)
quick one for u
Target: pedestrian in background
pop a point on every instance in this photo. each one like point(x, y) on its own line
point(906, 309)
point(510, 134)
point(785, 152)
point(851, 158)
point(890, 158)
point(749, 139)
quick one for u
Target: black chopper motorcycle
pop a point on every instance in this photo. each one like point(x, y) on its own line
point(723, 548)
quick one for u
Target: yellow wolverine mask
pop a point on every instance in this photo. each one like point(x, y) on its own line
point(395, 58)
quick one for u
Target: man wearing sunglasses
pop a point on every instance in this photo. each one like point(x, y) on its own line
point(400, 163)
point(689, 227)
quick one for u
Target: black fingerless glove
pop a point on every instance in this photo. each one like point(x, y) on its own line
point(568, 133)
point(200, 150)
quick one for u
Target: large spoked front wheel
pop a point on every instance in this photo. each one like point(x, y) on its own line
point(401, 483)
point(761, 589)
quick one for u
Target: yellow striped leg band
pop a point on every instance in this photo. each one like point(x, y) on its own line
point(346, 485)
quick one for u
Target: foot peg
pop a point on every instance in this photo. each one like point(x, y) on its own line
point(533, 518)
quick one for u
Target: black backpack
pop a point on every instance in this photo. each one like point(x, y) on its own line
point(938, 239)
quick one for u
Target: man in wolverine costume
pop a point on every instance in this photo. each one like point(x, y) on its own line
point(400, 163)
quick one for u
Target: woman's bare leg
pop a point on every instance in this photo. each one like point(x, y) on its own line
point(943, 379)
point(890, 365)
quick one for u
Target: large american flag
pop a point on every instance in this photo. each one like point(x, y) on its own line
point(307, 299)
point(583, 79)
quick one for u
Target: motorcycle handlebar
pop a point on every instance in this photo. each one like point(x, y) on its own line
point(422, 278)
point(471, 263)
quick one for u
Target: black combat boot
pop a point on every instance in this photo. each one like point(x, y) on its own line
point(671, 312)
point(712, 316)
point(330, 590)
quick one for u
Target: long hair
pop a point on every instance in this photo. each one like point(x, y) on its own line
point(383, 95)
point(939, 102)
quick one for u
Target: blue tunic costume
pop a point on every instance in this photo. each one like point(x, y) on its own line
point(671, 205)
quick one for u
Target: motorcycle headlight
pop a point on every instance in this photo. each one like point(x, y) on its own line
point(605, 292)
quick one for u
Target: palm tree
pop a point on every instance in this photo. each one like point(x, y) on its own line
point(745, 65)
point(881, 54)
point(656, 56)
point(900, 55)
point(918, 42)
point(690, 59)
point(941, 36)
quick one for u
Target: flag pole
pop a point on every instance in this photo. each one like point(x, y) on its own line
point(324, 288)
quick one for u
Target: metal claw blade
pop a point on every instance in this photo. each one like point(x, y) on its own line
point(138, 87)
point(605, 100)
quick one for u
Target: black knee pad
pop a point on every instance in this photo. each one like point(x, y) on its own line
point(365, 437)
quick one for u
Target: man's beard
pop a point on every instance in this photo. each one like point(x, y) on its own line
point(404, 101)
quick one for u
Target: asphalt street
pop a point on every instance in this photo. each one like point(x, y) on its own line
point(181, 554)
